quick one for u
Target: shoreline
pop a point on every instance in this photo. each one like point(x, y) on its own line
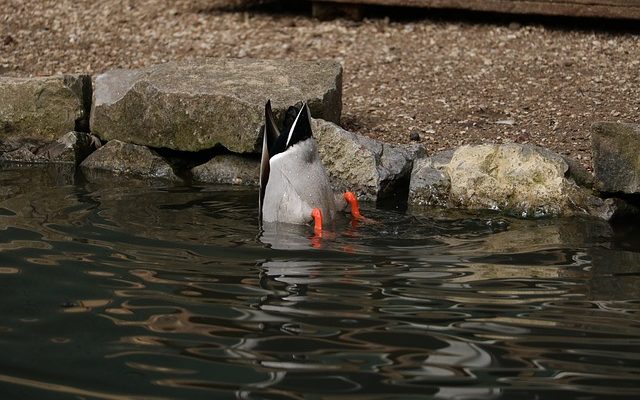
point(451, 82)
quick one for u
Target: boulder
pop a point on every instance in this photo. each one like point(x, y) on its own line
point(191, 106)
point(373, 170)
point(228, 169)
point(122, 158)
point(44, 108)
point(616, 156)
point(525, 180)
point(430, 184)
point(517, 179)
point(73, 147)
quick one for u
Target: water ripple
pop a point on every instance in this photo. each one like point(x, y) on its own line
point(156, 291)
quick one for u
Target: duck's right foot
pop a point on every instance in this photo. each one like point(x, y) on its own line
point(353, 202)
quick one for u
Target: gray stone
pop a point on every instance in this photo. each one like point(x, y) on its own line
point(228, 169)
point(616, 156)
point(195, 106)
point(372, 170)
point(525, 180)
point(430, 182)
point(72, 148)
point(20, 150)
point(122, 158)
point(44, 108)
point(580, 175)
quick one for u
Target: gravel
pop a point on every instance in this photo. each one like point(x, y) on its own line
point(443, 79)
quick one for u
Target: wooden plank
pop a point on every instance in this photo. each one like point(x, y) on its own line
point(325, 11)
point(627, 9)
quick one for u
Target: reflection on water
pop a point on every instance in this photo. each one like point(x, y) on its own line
point(120, 290)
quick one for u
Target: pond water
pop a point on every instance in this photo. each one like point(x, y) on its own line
point(115, 289)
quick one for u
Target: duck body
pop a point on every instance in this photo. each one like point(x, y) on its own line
point(294, 185)
point(297, 184)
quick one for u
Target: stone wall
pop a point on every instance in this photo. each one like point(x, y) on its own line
point(202, 122)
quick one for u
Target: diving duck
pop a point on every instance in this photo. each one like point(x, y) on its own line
point(294, 186)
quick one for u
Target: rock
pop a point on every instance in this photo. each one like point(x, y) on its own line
point(122, 158)
point(195, 106)
point(430, 184)
point(71, 148)
point(616, 159)
point(20, 150)
point(229, 169)
point(44, 108)
point(524, 180)
point(580, 175)
point(373, 170)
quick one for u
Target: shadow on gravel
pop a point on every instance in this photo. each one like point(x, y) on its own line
point(412, 14)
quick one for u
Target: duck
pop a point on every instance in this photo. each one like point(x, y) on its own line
point(294, 185)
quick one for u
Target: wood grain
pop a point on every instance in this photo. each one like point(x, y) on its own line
point(627, 9)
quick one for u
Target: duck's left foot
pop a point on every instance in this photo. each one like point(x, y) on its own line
point(316, 214)
point(353, 203)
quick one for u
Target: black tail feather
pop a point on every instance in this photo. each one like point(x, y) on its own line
point(270, 134)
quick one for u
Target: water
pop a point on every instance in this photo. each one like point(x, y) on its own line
point(122, 290)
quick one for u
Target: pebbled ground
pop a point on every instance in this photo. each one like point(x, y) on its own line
point(446, 77)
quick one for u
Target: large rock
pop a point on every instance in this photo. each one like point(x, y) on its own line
point(44, 108)
point(520, 179)
point(616, 156)
point(196, 106)
point(373, 170)
point(229, 169)
point(122, 158)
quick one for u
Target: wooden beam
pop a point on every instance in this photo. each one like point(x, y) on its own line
point(324, 10)
point(626, 9)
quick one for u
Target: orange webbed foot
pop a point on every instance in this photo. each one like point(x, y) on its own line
point(351, 199)
point(316, 214)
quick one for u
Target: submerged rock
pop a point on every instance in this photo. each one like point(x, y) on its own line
point(20, 150)
point(616, 156)
point(44, 108)
point(192, 106)
point(373, 170)
point(228, 169)
point(122, 158)
point(71, 148)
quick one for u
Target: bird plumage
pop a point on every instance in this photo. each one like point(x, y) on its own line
point(293, 180)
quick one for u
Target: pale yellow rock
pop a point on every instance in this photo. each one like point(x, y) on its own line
point(525, 180)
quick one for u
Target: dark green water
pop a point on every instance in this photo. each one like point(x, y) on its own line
point(116, 290)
